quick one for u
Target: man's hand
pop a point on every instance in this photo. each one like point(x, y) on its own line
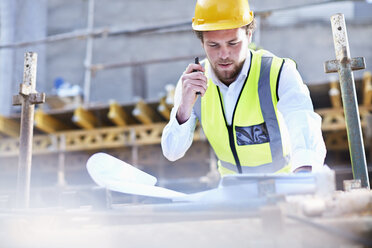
point(193, 80)
point(305, 168)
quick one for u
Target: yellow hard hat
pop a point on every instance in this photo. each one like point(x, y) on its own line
point(221, 14)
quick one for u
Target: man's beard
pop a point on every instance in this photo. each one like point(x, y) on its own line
point(227, 77)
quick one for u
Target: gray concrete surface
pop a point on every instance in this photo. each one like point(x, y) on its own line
point(20, 21)
point(171, 225)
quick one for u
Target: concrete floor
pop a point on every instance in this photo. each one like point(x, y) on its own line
point(282, 224)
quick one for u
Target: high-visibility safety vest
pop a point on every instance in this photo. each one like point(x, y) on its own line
point(257, 140)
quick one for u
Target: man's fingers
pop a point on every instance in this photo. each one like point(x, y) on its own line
point(196, 82)
point(194, 87)
point(194, 67)
point(194, 76)
point(197, 78)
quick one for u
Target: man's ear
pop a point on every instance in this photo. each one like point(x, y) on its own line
point(250, 33)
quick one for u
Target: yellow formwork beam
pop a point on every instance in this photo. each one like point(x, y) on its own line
point(84, 118)
point(367, 88)
point(334, 94)
point(47, 123)
point(9, 127)
point(163, 108)
point(333, 119)
point(117, 115)
point(144, 113)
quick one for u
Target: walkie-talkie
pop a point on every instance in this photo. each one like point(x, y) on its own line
point(196, 62)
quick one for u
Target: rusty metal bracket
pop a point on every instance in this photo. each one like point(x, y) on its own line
point(37, 98)
point(34, 98)
point(357, 63)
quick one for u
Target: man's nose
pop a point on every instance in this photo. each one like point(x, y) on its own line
point(224, 52)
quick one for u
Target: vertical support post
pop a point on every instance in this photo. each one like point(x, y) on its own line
point(25, 144)
point(27, 98)
point(88, 53)
point(139, 82)
point(134, 156)
point(344, 65)
point(61, 161)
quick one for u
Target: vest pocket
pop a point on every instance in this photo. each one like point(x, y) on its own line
point(252, 135)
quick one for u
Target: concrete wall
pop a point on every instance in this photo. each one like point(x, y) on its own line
point(305, 35)
point(316, 46)
point(302, 34)
point(118, 83)
point(20, 21)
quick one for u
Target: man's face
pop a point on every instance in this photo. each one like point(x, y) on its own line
point(226, 51)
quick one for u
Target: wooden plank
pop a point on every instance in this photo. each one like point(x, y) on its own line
point(47, 123)
point(334, 94)
point(96, 139)
point(326, 111)
point(113, 137)
point(118, 116)
point(148, 135)
point(84, 118)
point(144, 113)
point(9, 127)
point(333, 118)
point(336, 141)
point(65, 102)
point(367, 88)
point(170, 89)
point(41, 144)
point(9, 147)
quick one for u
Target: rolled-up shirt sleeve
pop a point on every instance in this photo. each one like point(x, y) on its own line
point(303, 124)
point(177, 139)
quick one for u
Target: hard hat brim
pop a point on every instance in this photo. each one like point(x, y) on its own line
point(221, 25)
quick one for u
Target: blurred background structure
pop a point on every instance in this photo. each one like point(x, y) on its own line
point(109, 69)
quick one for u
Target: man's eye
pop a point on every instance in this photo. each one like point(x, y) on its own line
point(213, 45)
point(233, 43)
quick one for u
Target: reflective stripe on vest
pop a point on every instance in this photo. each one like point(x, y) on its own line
point(265, 168)
point(279, 160)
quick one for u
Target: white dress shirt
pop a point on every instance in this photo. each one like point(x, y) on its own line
point(295, 106)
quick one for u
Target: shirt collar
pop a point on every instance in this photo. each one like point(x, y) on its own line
point(241, 77)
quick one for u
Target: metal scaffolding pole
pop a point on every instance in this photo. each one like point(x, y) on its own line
point(89, 53)
point(345, 65)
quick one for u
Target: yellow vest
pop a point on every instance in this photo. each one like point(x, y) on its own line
point(253, 142)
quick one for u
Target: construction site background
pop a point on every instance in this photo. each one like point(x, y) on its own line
point(139, 48)
point(301, 33)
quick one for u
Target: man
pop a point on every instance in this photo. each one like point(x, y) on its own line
point(254, 108)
